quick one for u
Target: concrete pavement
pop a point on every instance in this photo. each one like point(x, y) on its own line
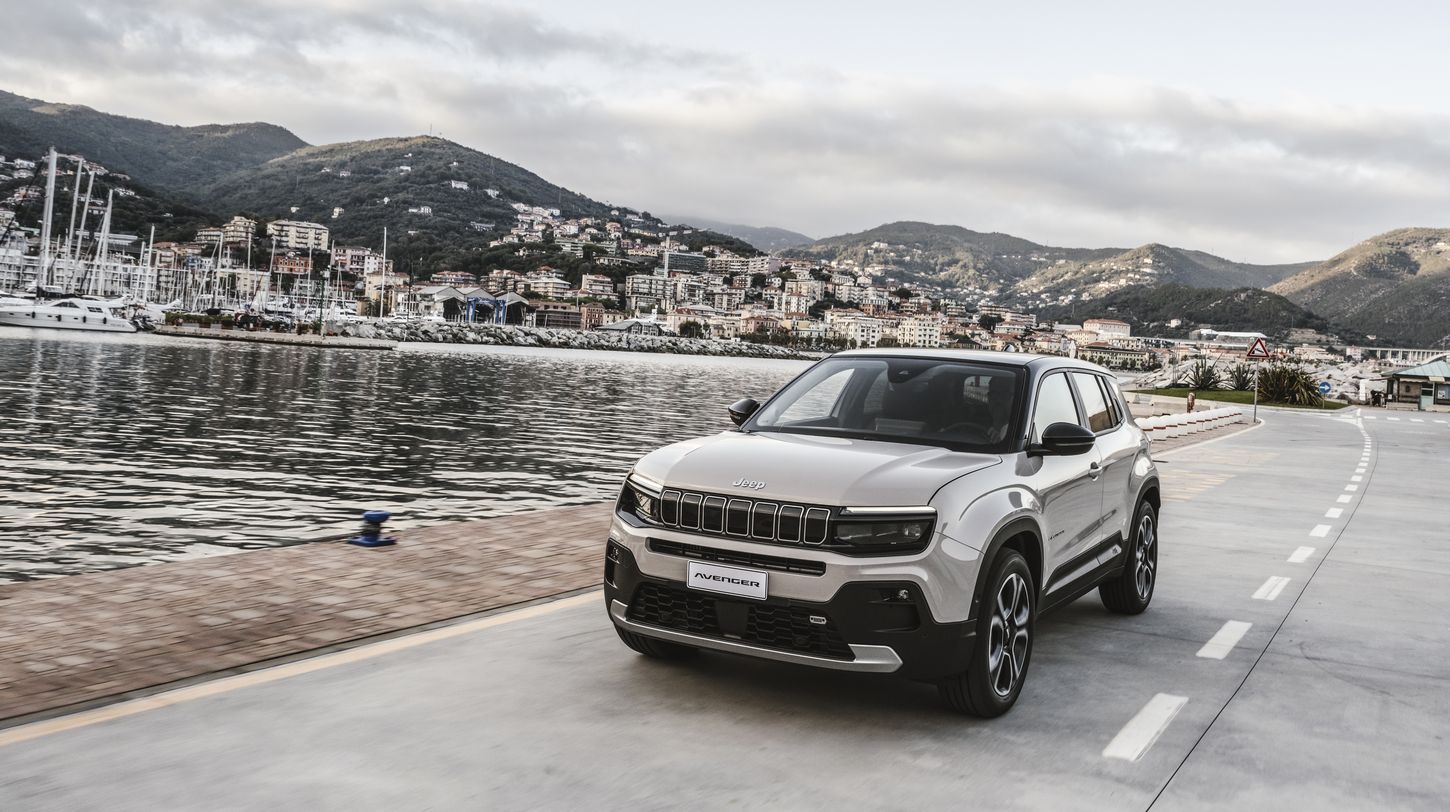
point(1263, 675)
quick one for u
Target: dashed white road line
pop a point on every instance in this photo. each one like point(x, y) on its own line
point(1319, 531)
point(1271, 588)
point(1351, 487)
point(1416, 420)
point(1301, 555)
point(1441, 422)
point(1343, 498)
point(1143, 729)
point(1356, 478)
point(1224, 640)
point(1396, 419)
point(1333, 513)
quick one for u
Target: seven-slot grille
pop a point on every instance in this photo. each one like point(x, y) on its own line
point(746, 518)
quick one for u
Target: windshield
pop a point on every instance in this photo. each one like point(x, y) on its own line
point(963, 405)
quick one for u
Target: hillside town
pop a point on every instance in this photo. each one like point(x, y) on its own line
point(626, 272)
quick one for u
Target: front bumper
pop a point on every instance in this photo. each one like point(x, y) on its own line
point(870, 626)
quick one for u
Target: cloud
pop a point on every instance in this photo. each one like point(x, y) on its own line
point(746, 138)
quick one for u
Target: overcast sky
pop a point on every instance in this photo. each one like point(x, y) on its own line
point(1259, 131)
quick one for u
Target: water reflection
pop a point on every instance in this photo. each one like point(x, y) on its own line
point(120, 450)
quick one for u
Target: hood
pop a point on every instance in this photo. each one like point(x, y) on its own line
point(811, 469)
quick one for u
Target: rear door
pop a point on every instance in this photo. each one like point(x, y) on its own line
point(1118, 447)
point(1070, 488)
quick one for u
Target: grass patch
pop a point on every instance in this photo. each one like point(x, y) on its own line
point(1236, 396)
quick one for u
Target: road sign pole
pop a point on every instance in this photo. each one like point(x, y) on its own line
point(1256, 391)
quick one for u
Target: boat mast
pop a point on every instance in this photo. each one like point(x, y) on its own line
point(102, 248)
point(74, 203)
point(42, 273)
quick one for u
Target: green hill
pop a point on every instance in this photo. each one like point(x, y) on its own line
point(1021, 271)
point(169, 158)
point(1395, 286)
point(1150, 309)
point(367, 181)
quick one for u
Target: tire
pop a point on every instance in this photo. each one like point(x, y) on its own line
point(1132, 591)
point(658, 649)
point(994, 677)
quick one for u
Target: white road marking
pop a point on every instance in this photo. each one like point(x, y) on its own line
point(1396, 419)
point(1441, 422)
point(1143, 729)
point(1319, 531)
point(1356, 478)
point(1271, 588)
point(220, 686)
point(1416, 420)
point(1343, 498)
point(1333, 513)
point(1359, 470)
point(1301, 555)
point(1224, 640)
point(1351, 487)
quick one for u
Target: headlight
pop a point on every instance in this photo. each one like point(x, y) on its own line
point(881, 537)
point(639, 498)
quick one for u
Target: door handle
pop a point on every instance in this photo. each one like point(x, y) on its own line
point(1094, 469)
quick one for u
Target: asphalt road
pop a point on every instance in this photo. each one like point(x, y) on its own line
point(1296, 656)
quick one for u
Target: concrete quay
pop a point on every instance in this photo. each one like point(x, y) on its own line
point(71, 641)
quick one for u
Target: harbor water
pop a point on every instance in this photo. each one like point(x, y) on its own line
point(124, 450)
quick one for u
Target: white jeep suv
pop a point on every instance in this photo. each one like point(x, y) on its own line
point(909, 512)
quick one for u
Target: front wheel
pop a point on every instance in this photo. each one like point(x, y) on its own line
point(1131, 592)
point(993, 679)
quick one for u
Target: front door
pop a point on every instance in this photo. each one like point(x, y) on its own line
point(1071, 488)
point(1427, 396)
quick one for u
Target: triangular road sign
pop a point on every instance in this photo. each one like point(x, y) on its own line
point(1259, 349)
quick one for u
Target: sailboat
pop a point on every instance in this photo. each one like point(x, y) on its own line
point(45, 308)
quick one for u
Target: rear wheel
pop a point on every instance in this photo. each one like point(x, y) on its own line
point(659, 649)
point(1131, 592)
point(993, 679)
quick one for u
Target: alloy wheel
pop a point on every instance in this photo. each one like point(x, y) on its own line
point(1008, 637)
point(1147, 557)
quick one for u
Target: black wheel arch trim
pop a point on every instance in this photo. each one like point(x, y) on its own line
point(1023, 526)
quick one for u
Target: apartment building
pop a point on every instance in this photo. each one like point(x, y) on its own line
point(296, 235)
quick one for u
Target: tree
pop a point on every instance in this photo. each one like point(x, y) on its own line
point(692, 329)
point(888, 341)
point(903, 293)
point(757, 280)
point(989, 322)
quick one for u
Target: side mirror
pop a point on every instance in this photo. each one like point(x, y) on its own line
point(1063, 440)
point(741, 410)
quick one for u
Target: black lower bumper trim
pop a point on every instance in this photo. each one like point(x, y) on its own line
point(876, 613)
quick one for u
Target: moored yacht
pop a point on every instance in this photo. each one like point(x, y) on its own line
point(64, 314)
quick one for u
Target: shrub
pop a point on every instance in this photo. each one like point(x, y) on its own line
point(1241, 377)
point(1288, 383)
point(1204, 375)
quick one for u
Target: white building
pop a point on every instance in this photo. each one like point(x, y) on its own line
point(296, 235)
point(1108, 328)
point(923, 330)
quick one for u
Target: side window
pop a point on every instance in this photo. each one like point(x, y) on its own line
point(1115, 399)
point(1054, 404)
point(1099, 417)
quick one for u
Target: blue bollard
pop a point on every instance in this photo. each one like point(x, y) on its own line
point(372, 530)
